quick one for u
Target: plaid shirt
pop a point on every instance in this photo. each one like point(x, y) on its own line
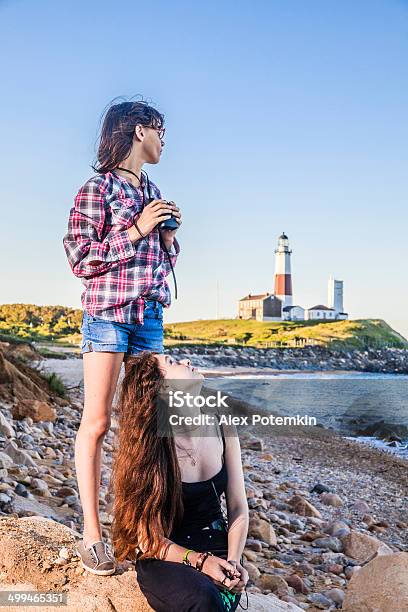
point(118, 274)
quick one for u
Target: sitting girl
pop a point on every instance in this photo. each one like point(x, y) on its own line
point(167, 514)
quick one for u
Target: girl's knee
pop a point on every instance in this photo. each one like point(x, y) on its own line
point(96, 428)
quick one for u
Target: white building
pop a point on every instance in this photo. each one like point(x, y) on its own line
point(321, 313)
point(293, 313)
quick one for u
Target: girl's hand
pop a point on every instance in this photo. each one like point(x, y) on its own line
point(168, 235)
point(244, 577)
point(152, 214)
point(221, 572)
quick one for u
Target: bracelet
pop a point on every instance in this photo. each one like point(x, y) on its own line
point(201, 559)
point(137, 227)
point(185, 557)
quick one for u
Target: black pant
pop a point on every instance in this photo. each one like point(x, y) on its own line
point(174, 587)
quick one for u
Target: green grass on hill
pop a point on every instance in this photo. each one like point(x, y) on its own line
point(358, 334)
point(61, 325)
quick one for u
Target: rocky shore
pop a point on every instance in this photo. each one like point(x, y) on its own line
point(328, 516)
point(389, 360)
point(310, 358)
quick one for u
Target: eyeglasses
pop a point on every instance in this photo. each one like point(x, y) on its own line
point(160, 131)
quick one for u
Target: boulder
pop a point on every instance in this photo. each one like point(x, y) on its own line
point(35, 409)
point(301, 506)
point(362, 547)
point(5, 460)
point(19, 455)
point(331, 499)
point(29, 548)
point(6, 428)
point(253, 571)
point(268, 603)
point(274, 583)
point(262, 530)
point(380, 586)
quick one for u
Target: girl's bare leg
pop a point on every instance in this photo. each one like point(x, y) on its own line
point(101, 373)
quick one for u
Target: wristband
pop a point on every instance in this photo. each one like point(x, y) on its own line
point(185, 557)
point(137, 227)
point(201, 559)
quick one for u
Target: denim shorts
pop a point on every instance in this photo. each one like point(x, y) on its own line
point(129, 338)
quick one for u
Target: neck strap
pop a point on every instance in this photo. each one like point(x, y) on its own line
point(130, 172)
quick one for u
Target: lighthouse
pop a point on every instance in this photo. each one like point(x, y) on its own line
point(283, 275)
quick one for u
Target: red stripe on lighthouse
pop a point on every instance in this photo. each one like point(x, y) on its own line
point(283, 284)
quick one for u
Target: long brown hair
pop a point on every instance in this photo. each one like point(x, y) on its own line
point(118, 129)
point(146, 478)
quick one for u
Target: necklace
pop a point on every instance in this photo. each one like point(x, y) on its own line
point(193, 459)
point(130, 172)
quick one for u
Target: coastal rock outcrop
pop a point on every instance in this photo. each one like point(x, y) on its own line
point(40, 554)
point(362, 547)
point(380, 586)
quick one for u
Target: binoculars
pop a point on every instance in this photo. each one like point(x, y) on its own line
point(168, 224)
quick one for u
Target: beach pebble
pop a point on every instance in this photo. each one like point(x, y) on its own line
point(250, 554)
point(273, 583)
point(350, 570)
point(331, 499)
point(320, 601)
point(21, 490)
point(336, 595)
point(321, 488)
point(4, 498)
point(64, 553)
point(253, 571)
point(361, 507)
point(301, 506)
point(297, 583)
point(253, 544)
point(335, 568)
point(262, 530)
point(331, 543)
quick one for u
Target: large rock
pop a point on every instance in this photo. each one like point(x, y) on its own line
point(6, 428)
point(5, 460)
point(274, 583)
point(301, 506)
point(268, 603)
point(262, 530)
point(19, 455)
point(28, 548)
point(362, 547)
point(35, 409)
point(379, 586)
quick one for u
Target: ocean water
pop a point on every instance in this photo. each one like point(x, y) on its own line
point(348, 402)
point(369, 406)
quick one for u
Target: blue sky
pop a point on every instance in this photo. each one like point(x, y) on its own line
point(280, 116)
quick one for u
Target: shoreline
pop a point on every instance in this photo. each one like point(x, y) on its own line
point(72, 377)
point(309, 359)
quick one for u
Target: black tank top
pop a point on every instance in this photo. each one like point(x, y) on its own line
point(201, 504)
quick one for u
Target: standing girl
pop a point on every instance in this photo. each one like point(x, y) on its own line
point(116, 244)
